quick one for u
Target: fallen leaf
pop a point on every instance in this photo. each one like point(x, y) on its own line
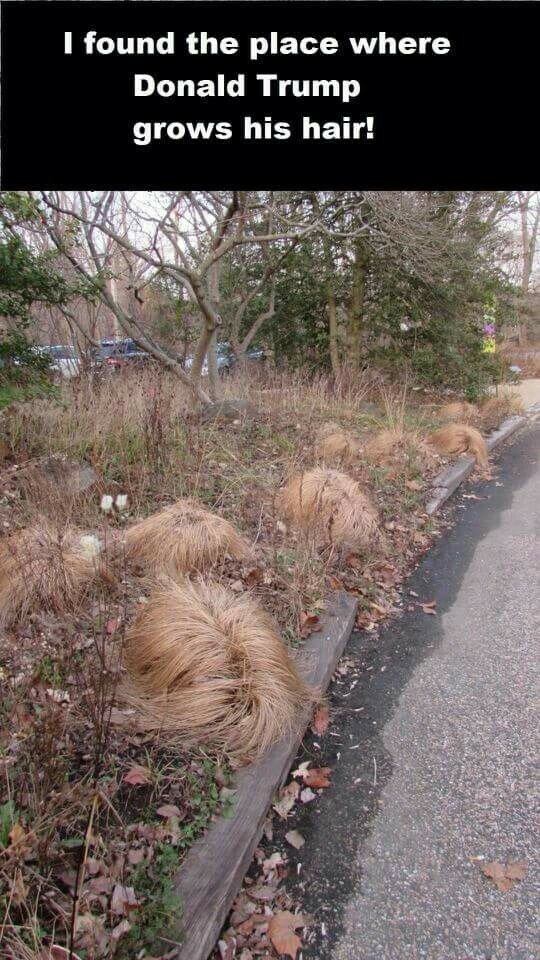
point(168, 810)
point(281, 931)
point(19, 891)
point(121, 929)
point(413, 485)
point(302, 767)
point(317, 777)
point(428, 608)
point(123, 899)
point(321, 718)
point(253, 576)
point(111, 626)
point(237, 586)
point(137, 776)
point(504, 875)
point(287, 799)
point(135, 855)
point(307, 795)
point(309, 622)
point(55, 952)
point(516, 869)
point(295, 839)
point(100, 885)
point(262, 891)
point(272, 863)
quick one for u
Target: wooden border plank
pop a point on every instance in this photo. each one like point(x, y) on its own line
point(214, 868)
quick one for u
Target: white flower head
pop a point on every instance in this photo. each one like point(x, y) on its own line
point(106, 503)
point(404, 327)
point(121, 502)
point(90, 546)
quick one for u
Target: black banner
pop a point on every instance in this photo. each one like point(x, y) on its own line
point(383, 95)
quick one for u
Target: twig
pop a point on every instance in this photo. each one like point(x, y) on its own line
point(80, 875)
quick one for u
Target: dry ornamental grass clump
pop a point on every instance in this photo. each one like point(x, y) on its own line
point(458, 411)
point(208, 666)
point(331, 507)
point(399, 447)
point(44, 568)
point(458, 438)
point(334, 443)
point(496, 409)
point(183, 537)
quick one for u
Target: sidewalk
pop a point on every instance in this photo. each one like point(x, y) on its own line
point(529, 391)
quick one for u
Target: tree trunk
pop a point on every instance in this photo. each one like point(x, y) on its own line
point(356, 308)
point(333, 329)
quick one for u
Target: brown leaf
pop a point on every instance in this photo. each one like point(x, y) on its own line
point(295, 839)
point(321, 718)
point(121, 929)
point(516, 869)
point(413, 485)
point(287, 799)
point(111, 626)
point(309, 622)
point(317, 777)
point(428, 608)
point(137, 776)
point(19, 891)
point(168, 810)
point(504, 876)
point(55, 952)
point(100, 885)
point(135, 855)
point(123, 899)
point(253, 576)
point(281, 929)
point(262, 891)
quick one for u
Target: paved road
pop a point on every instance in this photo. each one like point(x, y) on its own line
point(432, 752)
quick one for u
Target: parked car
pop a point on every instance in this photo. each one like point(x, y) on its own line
point(64, 361)
point(114, 354)
point(227, 359)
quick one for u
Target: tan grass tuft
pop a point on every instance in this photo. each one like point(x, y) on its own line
point(496, 409)
point(333, 443)
point(209, 667)
point(458, 411)
point(330, 506)
point(44, 568)
point(399, 447)
point(458, 438)
point(183, 537)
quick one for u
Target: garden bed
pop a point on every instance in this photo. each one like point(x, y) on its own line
point(100, 815)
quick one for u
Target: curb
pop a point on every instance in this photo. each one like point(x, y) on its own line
point(216, 864)
point(446, 482)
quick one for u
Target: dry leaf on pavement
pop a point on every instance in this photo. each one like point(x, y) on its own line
point(295, 839)
point(504, 875)
point(281, 931)
point(317, 777)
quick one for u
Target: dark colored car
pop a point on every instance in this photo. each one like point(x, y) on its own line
point(227, 359)
point(119, 353)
